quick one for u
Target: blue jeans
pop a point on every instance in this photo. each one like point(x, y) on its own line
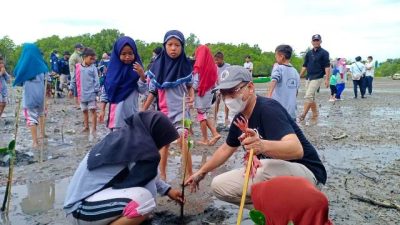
point(340, 89)
point(368, 83)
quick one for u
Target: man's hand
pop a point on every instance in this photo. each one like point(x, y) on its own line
point(194, 181)
point(251, 140)
point(176, 195)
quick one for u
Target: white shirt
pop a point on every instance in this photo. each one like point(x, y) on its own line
point(370, 69)
point(249, 66)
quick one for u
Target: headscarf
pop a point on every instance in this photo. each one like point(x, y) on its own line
point(138, 142)
point(282, 199)
point(167, 72)
point(30, 64)
point(121, 79)
point(205, 67)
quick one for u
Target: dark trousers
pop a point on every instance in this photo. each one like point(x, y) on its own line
point(333, 89)
point(368, 83)
point(359, 83)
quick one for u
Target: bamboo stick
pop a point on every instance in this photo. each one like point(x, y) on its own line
point(245, 186)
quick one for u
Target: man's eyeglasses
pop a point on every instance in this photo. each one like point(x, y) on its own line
point(232, 91)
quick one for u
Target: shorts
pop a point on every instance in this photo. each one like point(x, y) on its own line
point(110, 204)
point(88, 105)
point(202, 114)
point(312, 87)
point(32, 115)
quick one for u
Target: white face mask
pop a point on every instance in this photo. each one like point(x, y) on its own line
point(235, 105)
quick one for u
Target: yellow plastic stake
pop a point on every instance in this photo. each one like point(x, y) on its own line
point(245, 186)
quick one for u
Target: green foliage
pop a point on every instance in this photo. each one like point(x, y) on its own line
point(388, 68)
point(9, 150)
point(104, 40)
point(257, 217)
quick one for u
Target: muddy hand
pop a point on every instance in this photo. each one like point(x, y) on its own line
point(176, 196)
point(194, 180)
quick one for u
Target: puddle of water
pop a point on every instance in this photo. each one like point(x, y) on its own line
point(34, 199)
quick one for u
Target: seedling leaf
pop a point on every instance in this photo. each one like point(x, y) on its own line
point(257, 217)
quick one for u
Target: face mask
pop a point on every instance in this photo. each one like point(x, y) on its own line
point(235, 105)
point(57, 55)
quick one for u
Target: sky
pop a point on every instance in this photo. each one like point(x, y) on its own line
point(348, 27)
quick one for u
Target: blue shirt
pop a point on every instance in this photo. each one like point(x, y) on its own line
point(316, 61)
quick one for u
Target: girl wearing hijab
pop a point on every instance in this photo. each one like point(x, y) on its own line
point(30, 73)
point(170, 80)
point(124, 81)
point(205, 77)
point(283, 199)
point(117, 182)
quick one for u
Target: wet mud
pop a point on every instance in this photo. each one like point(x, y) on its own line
point(358, 141)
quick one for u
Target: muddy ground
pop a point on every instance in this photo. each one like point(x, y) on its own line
point(365, 162)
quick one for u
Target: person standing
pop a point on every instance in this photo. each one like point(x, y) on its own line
point(317, 65)
point(369, 74)
point(30, 73)
point(63, 67)
point(341, 78)
point(221, 67)
point(248, 64)
point(75, 58)
point(4, 79)
point(357, 70)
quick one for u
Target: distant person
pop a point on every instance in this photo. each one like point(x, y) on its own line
point(205, 78)
point(54, 61)
point(55, 73)
point(248, 64)
point(4, 79)
point(75, 58)
point(221, 66)
point(332, 84)
point(357, 70)
point(117, 182)
point(341, 78)
point(285, 80)
point(86, 81)
point(143, 97)
point(156, 52)
point(63, 65)
point(317, 65)
point(369, 74)
point(30, 73)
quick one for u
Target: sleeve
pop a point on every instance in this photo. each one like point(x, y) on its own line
point(162, 186)
point(103, 97)
point(152, 88)
point(234, 133)
point(6, 77)
point(196, 81)
point(251, 66)
point(275, 122)
point(325, 59)
point(306, 59)
point(276, 74)
point(142, 86)
point(71, 64)
point(72, 84)
point(96, 81)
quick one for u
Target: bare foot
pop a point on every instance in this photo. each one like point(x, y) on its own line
point(35, 145)
point(215, 139)
point(203, 142)
point(85, 130)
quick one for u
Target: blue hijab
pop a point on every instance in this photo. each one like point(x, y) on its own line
point(121, 80)
point(167, 72)
point(30, 64)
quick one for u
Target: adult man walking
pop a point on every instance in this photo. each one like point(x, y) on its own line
point(317, 64)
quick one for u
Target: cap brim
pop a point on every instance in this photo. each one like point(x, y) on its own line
point(227, 85)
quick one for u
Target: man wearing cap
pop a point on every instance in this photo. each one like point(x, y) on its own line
point(317, 65)
point(73, 60)
point(274, 136)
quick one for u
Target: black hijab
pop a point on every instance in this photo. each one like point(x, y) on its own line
point(139, 141)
